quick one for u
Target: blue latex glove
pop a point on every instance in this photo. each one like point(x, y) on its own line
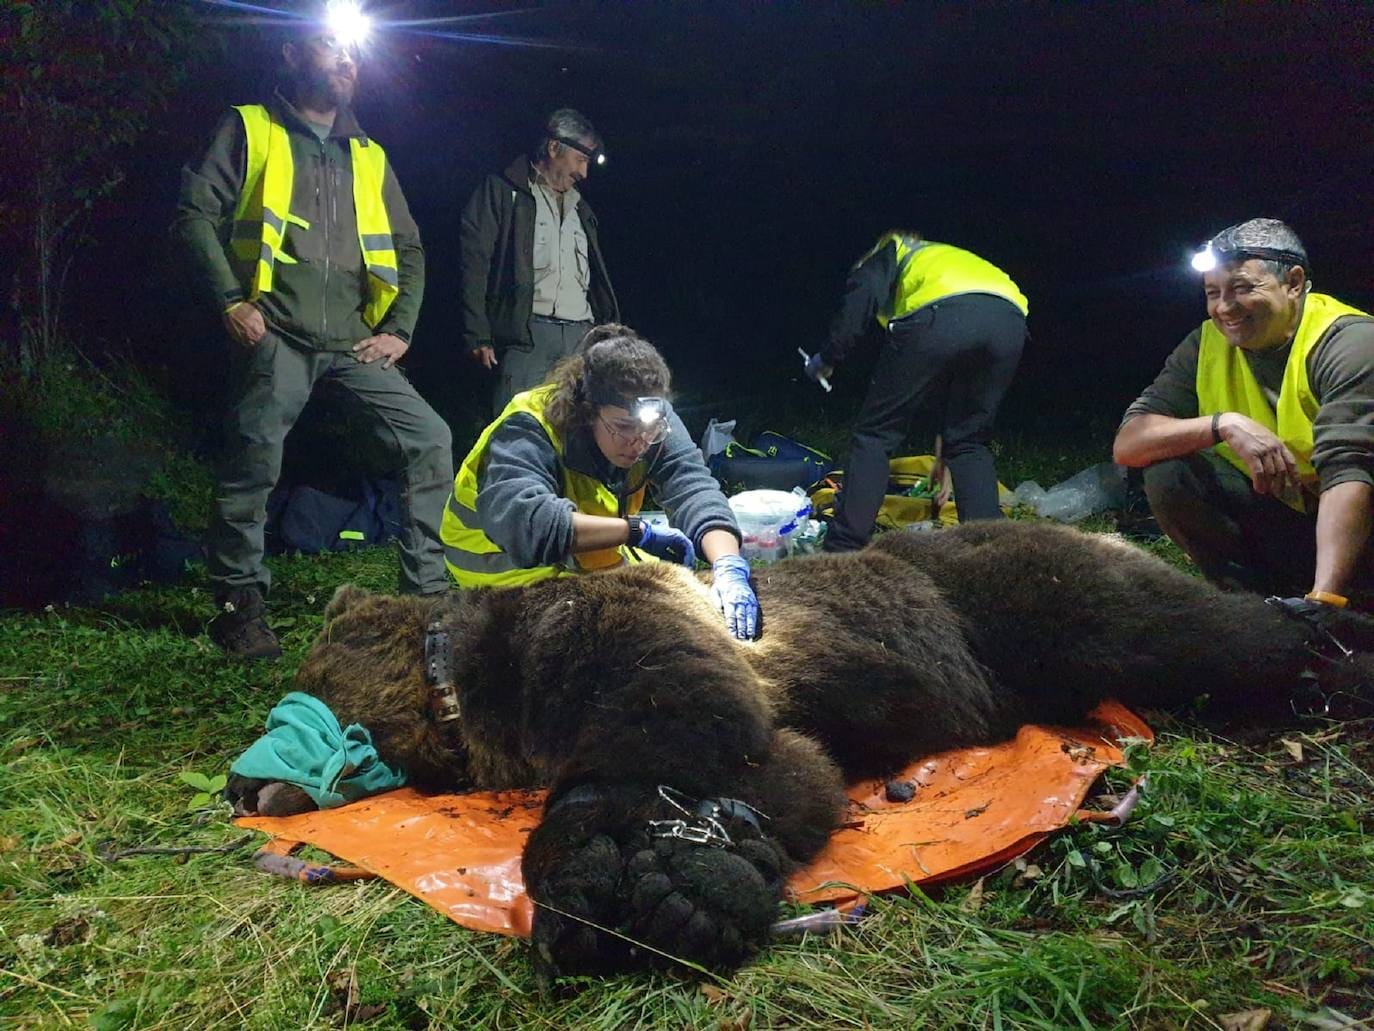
point(734, 597)
point(666, 543)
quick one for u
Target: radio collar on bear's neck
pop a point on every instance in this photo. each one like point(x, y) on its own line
point(443, 693)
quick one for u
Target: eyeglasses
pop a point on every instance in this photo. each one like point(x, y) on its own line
point(336, 47)
point(630, 430)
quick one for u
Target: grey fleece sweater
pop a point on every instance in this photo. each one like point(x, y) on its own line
point(520, 501)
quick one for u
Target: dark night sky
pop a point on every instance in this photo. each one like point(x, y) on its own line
point(756, 149)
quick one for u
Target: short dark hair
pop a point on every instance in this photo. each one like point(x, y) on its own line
point(1270, 241)
point(568, 124)
point(612, 360)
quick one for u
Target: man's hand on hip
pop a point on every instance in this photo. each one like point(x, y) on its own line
point(385, 346)
point(244, 324)
point(484, 356)
point(1273, 469)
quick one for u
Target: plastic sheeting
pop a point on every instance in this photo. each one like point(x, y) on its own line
point(973, 810)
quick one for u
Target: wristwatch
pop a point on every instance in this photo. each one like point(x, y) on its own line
point(636, 534)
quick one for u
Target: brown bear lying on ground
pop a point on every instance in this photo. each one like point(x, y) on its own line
point(691, 773)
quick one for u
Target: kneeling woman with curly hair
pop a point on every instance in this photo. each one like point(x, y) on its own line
point(554, 485)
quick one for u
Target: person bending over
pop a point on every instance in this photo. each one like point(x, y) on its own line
point(955, 326)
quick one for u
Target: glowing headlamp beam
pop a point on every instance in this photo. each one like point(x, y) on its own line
point(347, 23)
point(1205, 260)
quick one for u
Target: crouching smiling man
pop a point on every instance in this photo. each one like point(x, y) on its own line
point(1257, 437)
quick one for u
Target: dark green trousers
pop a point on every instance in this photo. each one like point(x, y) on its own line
point(1239, 539)
point(271, 384)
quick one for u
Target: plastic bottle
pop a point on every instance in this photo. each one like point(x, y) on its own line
point(749, 547)
point(770, 547)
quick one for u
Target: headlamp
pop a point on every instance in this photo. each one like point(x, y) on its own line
point(1207, 258)
point(345, 21)
point(595, 155)
point(650, 411)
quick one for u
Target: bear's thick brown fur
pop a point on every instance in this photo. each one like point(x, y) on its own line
point(606, 688)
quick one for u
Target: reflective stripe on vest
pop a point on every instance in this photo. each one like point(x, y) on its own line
point(374, 228)
point(928, 272)
point(474, 560)
point(263, 211)
point(1226, 384)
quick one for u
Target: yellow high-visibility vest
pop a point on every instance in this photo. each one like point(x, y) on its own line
point(928, 272)
point(264, 211)
point(1226, 384)
point(474, 560)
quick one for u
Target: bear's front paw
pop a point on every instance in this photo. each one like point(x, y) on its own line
point(577, 904)
point(709, 906)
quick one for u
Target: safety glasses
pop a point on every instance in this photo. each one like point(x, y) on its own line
point(647, 421)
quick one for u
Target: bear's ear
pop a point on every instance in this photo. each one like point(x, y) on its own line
point(345, 598)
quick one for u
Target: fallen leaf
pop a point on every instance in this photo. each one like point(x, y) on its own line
point(713, 994)
point(343, 991)
point(8, 844)
point(67, 932)
point(74, 838)
point(1294, 749)
point(1079, 753)
point(1245, 1020)
point(1029, 874)
point(974, 900)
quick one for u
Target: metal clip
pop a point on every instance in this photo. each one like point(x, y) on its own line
point(701, 820)
point(701, 832)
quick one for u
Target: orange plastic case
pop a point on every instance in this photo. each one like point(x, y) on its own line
point(974, 809)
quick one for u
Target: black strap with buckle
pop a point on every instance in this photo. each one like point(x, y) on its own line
point(443, 693)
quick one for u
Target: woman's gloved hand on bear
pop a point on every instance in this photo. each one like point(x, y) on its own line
point(734, 597)
point(663, 542)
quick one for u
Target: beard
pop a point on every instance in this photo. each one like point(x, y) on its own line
point(325, 88)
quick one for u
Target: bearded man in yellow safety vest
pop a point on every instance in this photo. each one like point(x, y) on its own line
point(297, 234)
point(1257, 438)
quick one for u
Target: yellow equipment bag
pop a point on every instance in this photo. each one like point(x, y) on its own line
point(912, 497)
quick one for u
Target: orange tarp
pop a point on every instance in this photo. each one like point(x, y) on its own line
point(974, 809)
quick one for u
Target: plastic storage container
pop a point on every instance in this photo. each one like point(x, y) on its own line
point(768, 521)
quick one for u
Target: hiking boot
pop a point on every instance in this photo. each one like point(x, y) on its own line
point(241, 627)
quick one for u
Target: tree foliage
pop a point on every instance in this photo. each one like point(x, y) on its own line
point(81, 85)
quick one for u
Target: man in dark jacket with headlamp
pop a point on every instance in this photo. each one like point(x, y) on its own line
point(533, 278)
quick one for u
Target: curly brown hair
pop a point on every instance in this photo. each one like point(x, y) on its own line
point(612, 360)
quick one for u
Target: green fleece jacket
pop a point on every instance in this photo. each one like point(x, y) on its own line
point(316, 303)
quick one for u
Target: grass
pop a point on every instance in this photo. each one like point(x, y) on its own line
point(1242, 883)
